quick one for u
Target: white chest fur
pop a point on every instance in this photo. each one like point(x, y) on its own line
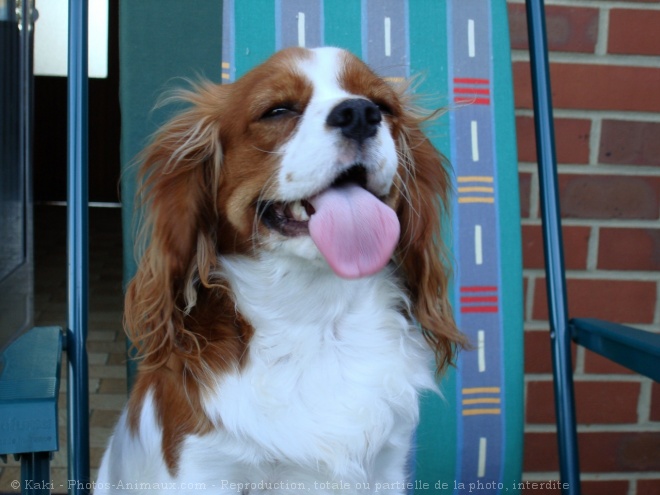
point(333, 373)
point(327, 398)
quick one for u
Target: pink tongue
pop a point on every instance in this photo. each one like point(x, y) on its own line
point(355, 232)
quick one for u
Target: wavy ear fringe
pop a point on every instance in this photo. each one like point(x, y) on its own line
point(423, 255)
point(179, 177)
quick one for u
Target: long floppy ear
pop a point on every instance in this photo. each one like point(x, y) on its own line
point(423, 256)
point(179, 181)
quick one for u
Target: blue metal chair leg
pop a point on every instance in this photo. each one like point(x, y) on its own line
point(78, 399)
point(552, 236)
point(35, 473)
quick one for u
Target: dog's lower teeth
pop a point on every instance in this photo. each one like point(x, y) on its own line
point(298, 212)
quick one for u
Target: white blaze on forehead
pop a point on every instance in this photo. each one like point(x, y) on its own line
point(311, 156)
point(323, 69)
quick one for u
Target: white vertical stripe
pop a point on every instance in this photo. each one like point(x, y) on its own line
point(474, 132)
point(388, 37)
point(301, 29)
point(481, 467)
point(478, 245)
point(481, 350)
point(471, 47)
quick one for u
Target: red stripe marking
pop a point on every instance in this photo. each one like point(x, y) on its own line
point(472, 91)
point(479, 288)
point(479, 309)
point(479, 299)
point(475, 101)
point(470, 80)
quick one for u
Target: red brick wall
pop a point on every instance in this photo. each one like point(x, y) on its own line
point(605, 66)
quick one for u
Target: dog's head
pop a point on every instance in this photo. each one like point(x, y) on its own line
point(310, 155)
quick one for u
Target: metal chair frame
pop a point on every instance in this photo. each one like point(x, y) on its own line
point(627, 346)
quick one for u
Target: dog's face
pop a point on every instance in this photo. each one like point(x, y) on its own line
point(311, 155)
point(305, 122)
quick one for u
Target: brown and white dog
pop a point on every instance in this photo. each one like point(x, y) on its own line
point(293, 294)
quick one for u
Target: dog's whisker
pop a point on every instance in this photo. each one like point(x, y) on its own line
point(267, 191)
point(270, 152)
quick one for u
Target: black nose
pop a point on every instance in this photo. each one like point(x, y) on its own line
point(358, 119)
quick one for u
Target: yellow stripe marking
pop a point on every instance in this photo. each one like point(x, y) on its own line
point(478, 412)
point(476, 189)
point(481, 390)
point(225, 65)
point(476, 200)
point(474, 178)
point(467, 402)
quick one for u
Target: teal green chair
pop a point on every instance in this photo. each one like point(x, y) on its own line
point(472, 436)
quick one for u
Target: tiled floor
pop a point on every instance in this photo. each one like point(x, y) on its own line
point(106, 344)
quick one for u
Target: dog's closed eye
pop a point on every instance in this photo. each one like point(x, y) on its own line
point(281, 110)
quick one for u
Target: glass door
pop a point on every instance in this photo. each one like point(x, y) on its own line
point(16, 88)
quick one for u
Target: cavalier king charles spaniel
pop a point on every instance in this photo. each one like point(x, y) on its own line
point(291, 304)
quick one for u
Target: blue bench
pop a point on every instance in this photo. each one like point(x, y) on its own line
point(29, 390)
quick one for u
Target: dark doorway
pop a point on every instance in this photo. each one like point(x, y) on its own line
point(50, 130)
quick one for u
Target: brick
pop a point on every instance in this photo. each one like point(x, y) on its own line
point(569, 29)
point(600, 487)
point(617, 452)
point(596, 364)
point(629, 249)
point(655, 401)
point(104, 418)
point(113, 386)
point(594, 87)
point(595, 402)
point(609, 487)
point(621, 301)
point(538, 355)
point(8, 474)
point(117, 359)
point(540, 452)
point(609, 196)
point(571, 138)
point(546, 487)
point(525, 185)
point(634, 32)
point(537, 352)
point(526, 139)
point(648, 487)
point(576, 243)
point(540, 403)
point(628, 142)
point(621, 451)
